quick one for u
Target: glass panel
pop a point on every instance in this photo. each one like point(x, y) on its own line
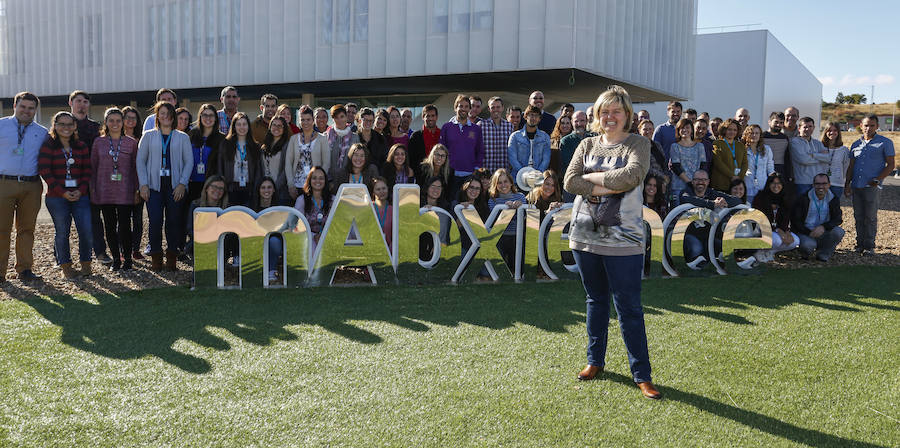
point(154, 35)
point(361, 21)
point(342, 27)
point(483, 15)
point(440, 14)
point(172, 35)
point(460, 21)
point(223, 27)
point(326, 7)
point(210, 27)
point(235, 26)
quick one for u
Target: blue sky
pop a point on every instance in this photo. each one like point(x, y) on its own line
point(827, 37)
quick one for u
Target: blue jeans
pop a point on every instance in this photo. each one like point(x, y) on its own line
point(276, 249)
point(162, 203)
point(63, 211)
point(802, 189)
point(825, 243)
point(620, 276)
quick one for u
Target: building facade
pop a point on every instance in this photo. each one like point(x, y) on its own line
point(121, 52)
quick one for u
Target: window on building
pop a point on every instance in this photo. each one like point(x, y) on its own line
point(460, 16)
point(196, 29)
point(483, 15)
point(439, 16)
point(210, 13)
point(186, 30)
point(172, 35)
point(223, 27)
point(361, 21)
point(327, 15)
point(154, 35)
point(235, 26)
point(342, 21)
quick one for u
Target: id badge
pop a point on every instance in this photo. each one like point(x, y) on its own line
point(737, 171)
point(71, 183)
point(201, 168)
point(19, 151)
point(164, 173)
point(115, 177)
point(243, 182)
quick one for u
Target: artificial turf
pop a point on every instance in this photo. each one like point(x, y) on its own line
point(790, 358)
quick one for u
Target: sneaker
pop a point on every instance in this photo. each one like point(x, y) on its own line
point(748, 263)
point(104, 259)
point(273, 276)
point(868, 252)
point(137, 255)
point(695, 264)
point(236, 262)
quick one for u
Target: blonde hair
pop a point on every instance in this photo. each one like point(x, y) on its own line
point(427, 165)
point(613, 95)
point(495, 179)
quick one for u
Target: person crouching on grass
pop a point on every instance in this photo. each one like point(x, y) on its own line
point(606, 175)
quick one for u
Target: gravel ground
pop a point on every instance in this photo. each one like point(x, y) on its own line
point(105, 282)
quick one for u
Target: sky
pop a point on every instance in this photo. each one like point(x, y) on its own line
point(827, 37)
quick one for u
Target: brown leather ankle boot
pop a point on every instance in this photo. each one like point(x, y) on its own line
point(68, 272)
point(156, 262)
point(171, 260)
point(86, 268)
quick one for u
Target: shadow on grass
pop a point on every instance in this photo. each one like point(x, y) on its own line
point(750, 419)
point(137, 324)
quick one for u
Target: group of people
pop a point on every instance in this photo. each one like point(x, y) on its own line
point(795, 179)
point(615, 162)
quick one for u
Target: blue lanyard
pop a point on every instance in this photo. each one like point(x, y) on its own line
point(733, 154)
point(165, 147)
point(242, 150)
point(818, 208)
point(382, 217)
point(356, 180)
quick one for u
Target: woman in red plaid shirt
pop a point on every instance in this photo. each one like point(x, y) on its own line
point(64, 163)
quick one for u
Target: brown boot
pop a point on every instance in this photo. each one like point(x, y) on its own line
point(171, 260)
point(156, 262)
point(68, 272)
point(86, 268)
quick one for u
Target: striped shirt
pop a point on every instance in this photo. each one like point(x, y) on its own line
point(496, 139)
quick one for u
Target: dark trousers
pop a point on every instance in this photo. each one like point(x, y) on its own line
point(620, 277)
point(162, 206)
point(97, 231)
point(117, 220)
point(865, 214)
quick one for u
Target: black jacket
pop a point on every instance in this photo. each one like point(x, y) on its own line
point(801, 210)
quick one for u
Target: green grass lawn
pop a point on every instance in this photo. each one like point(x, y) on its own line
point(789, 358)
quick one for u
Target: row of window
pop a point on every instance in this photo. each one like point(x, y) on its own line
point(194, 28)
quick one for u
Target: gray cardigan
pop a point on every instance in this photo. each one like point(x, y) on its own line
point(149, 158)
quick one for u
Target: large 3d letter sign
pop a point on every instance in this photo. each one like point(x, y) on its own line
point(433, 245)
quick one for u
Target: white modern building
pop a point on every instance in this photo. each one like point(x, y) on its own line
point(749, 69)
point(375, 52)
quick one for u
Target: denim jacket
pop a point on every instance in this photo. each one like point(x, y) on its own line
point(520, 150)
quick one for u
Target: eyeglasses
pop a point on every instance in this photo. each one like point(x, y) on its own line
point(440, 154)
point(207, 115)
point(473, 188)
point(65, 125)
point(216, 187)
point(130, 118)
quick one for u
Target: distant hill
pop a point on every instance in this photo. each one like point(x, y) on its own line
point(854, 113)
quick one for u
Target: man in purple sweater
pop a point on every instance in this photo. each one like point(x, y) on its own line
point(464, 142)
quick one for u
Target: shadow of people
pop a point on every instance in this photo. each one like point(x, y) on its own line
point(751, 419)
